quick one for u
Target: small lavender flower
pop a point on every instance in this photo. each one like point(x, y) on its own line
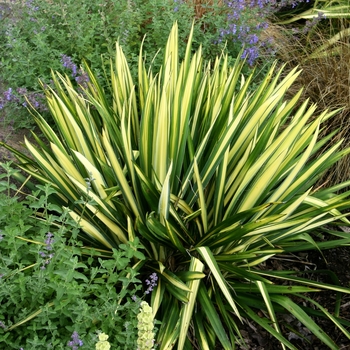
point(8, 94)
point(2, 325)
point(1, 237)
point(21, 91)
point(151, 282)
point(88, 181)
point(48, 247)
point(311, 24)
point(37, 100)
point(49, 241)
point(82, 79)
point(251, 54)
point(68, 63)
point(31, 7)
point(75, 342)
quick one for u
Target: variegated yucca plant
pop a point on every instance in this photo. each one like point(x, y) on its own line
point(215, 179)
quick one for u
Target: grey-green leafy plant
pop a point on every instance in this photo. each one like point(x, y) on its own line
point(37, 36)
point(214, 179)
point(54, 292)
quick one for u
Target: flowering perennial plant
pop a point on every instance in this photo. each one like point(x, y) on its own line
point(34, 41)
point(63, 304)
point(145, 340)
point(21, 96)
point(245, 22)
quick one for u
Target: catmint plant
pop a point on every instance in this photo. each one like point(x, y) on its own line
point(39, 36)
point(51, 290)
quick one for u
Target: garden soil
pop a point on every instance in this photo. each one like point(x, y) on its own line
point(256, 338)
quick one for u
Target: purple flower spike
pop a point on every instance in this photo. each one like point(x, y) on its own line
point(8, 94)
point(75, 343)
point(48, 248)
point(151, 282)
point(68, 63)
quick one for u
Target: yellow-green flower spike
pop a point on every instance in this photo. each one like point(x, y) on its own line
point(103, 344)
point(145, 339)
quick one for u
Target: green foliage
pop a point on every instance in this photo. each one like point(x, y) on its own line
point(52, 286)
point(214, 180)
point(35, 33)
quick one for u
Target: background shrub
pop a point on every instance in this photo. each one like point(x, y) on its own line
point(36, 34)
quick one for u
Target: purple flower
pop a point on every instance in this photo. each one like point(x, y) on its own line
point(31, 7)
point(251, 54)
point(176, 8)
point(75, 342)
point(82, 79)
point(22, 91)
point(68, 63)
point(253, 39)
point(151, 282)
point(8, 94)
point(49, 241)
point(2, 325)
point(46, 255)
point(311, 24)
